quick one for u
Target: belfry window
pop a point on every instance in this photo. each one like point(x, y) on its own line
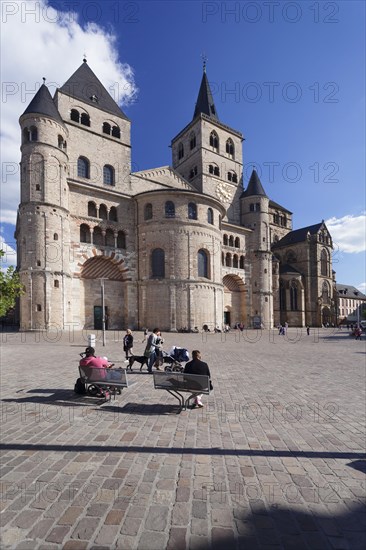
point(85, 119)
point(75, 115)
point(192, 140)
point(180, 151)
point(210, 216)
point(230, 150)
point(214, 141)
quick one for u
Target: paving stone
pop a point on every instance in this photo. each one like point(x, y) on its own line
point(177, 539)
point(199, 509)
point(152, 540)
point(157, 518)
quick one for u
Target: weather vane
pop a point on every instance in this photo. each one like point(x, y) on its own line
point(204, 59)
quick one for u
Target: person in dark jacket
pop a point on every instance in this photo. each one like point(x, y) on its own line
point(196, 366)
point(128, 343)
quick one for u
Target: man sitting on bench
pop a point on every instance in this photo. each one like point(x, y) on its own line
point(196, 366)
point(90, 360)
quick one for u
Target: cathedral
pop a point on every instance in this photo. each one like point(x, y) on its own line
point(180, 246)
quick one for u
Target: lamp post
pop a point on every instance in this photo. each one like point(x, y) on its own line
point(102, 279)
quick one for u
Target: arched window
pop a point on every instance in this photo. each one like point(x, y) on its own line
point(293, 296)
point(83, 168)
point(109, 238)
point(192, 140)
point(214, 169)
point(210, 218)
point(228, 260)
point(235, 261)
point(324, 263)
point(84, 233)
point(325, 293)
point(192, 211)
point(116, 132)
point(214, 141)
point(231, 240)
point(241, 262)
point(202, 264)
point(231, 176)
point(75, 115)
point(225, 239)
point(121, 240)
point(193, 172)
point(282, 296)
point(169, 209)
point(158, 263)
point(33, 133)
point(92, 209)
point(61, 142)
point(55, 236)
point(106, 128)
point(291, 257)
point(85, 119)
point(237, 242)
point(56, 283)
point(180, 151)
point(148, 211)
point(108, 174)
point(103, 212)
point(230, 149)
point(222, 258)
point(98, 238)
point(113, 214)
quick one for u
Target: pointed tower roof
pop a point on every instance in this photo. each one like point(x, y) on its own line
point(87, 87)
point(43, 104)
point(205, 103)
point(255, 186)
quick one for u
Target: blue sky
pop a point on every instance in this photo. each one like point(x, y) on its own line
point(288, 75)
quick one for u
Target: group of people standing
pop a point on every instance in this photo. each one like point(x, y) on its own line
point(153, 350)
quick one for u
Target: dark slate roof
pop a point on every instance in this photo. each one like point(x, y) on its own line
point(274, 204)
point(349, 291)
point(298, 236)
point(255, 186)
point(43, 104)
point(286, 268)
point(205, 103)
point(83, 84)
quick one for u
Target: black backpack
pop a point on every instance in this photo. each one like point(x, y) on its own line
point(80, 387)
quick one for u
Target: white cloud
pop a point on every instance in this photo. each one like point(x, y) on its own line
point(38, 41)
point(362, 287)
point(10, 257)
point(348, 233)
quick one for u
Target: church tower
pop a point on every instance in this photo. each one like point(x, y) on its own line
point(43, 229)
point(254, 205)
point(208, 153)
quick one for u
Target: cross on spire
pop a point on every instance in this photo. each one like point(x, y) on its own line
point(204, 60)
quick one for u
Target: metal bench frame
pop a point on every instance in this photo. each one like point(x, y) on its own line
point(111, 379)
point(177, 383)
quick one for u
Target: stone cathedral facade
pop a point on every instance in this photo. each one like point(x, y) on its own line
point(176, 246)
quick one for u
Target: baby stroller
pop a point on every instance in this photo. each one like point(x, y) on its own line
point(174, 359)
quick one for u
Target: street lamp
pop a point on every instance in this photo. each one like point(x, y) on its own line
point(102, 279)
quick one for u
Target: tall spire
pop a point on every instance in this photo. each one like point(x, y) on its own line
point(205, 103)
point(43, 104)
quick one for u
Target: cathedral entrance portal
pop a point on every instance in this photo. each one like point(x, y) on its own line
point(234, 300)
point(96, 271)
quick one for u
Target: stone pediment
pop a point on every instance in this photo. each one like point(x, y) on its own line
point(164, 176)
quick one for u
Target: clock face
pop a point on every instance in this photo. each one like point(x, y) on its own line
point(223, 192)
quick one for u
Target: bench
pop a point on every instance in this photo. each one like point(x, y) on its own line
point(177, 383)
point(111, 379)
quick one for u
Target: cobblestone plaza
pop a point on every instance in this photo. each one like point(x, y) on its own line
point(275, 459)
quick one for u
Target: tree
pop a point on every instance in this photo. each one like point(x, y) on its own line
point(10, 288)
